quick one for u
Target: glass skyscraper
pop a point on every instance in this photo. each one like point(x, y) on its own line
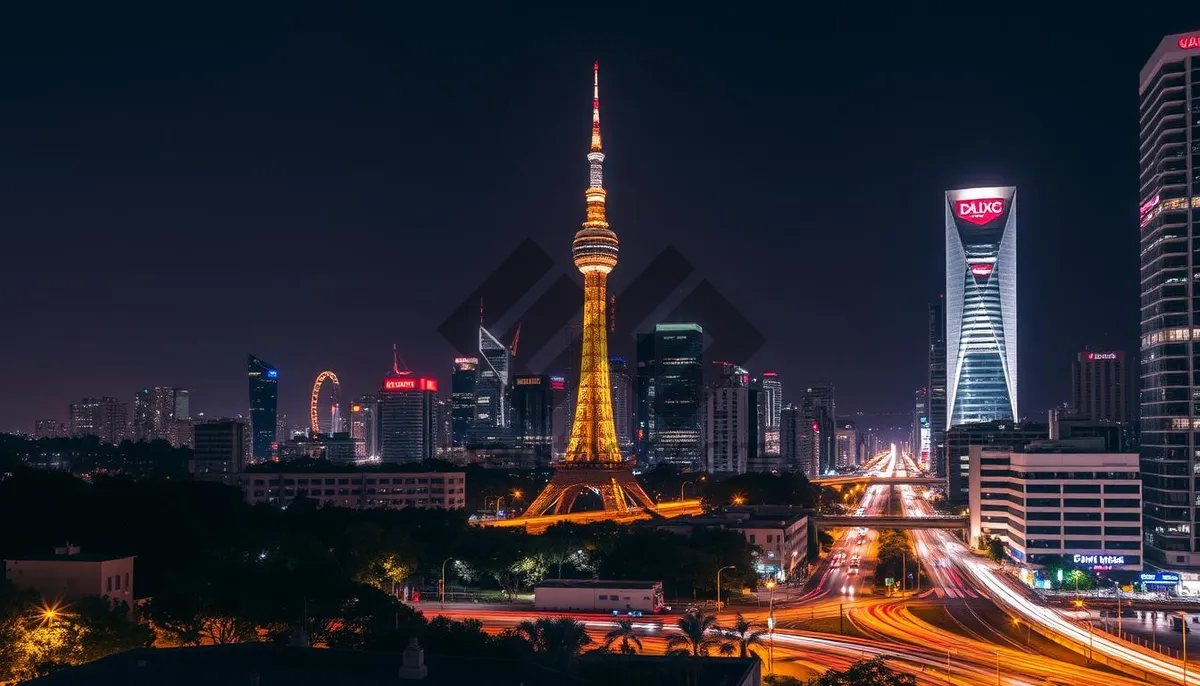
point(1169, 217)
point(678, 394)
point(264, 406)
point(981, 304)
point(462, 399)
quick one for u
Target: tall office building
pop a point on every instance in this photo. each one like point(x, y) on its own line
point(105, 418)
point(919, 439)
point(220, 446)
point(936, 384)
point(1099, 389)
point(143, 422)
point(363, 426)
point(560, 420)
point(675, 434)
point(462, 399)
point(622, 399)
point(981, 304)
point(820, 409)
point(791, 434)
point(1169, 89)
point(264, 406)
point(772, 388)
point(533, 421)
point(407, 416)
point(846, 438)
point(492, 390)
point(644, 397)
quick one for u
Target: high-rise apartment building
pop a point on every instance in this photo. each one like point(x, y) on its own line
point(264, 407)
point(678, 395)
point(169, 409)
point(732, 433)
point(142, 428)
point(1099, 389)
point(105, 418)
point(462, 399)
point(981, 304)
point(622, 398)
point(407, 409)
point(920, 436)
point(49, 428)
point(1169, 217)
point(820, 409)
point(846, 439)
point(363, 426)
point(938, 414)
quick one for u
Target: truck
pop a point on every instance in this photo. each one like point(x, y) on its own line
point(599, 595)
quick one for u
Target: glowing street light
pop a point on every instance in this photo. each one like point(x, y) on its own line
point(739, 499)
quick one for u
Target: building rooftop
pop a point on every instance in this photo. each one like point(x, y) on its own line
point(303, 465)
point(593, 583)
point(68, 553)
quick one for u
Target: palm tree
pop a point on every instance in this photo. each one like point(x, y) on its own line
point(695, 636)
point(627, 635)
point(559, 640)
point(744, 635)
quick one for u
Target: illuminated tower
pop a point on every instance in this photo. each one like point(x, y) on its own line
point(593, 458)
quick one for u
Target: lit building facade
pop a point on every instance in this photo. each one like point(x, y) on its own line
point(533, 412)
point(1169, 218)
point(264, 407)
point(938, 415)
point(981, 304)
point(407, 414)
point(105, 418)
point(220, 447)
point(772, 388)
point(623, 406)
point(358, 489)
point(846, 437)
point(493, 400)
point(462, 399)
point(363, 425)
point(819, 404)
point(678, 395)
point(1099, 389)
point(143, 423)
point(919, 439)
point(731, 430)
point(966, 440)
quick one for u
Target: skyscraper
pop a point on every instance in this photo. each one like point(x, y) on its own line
point(820, 409)
point(675, 434)
point(1099, 387)
point(846, 438)
point(644, 390)
point(791, 439)
point(919, 440)
point(533, 424)
point(264, 404)
point(462, 399)
point(937, 386)
point(363, 413)
point(772, 387)
point(492, 390)
point(981, 304)
point(731, 429)
point(143, 423)
point(1170, 198)
point(407, 413)
point(622, 395)
point(593, 461)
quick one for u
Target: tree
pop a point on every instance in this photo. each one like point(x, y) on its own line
point(697, 636)
point(108, 628)
point(744, 635)
point(865, 673)
point(995, 550)
point(558, 641)
point(779, 680)
point(627, 635)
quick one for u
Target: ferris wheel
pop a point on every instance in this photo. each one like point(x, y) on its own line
point(332, 396)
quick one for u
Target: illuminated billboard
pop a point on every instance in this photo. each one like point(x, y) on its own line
point(981, 305)
point(409, 384)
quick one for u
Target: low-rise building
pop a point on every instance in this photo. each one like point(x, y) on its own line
point(780, 531)
point(69, 575)
point(357, 488)
point(1060, 498)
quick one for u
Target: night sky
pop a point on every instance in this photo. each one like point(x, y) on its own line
point(178, 191)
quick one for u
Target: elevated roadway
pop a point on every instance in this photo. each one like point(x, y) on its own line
point(890, 522)
point(855, 479)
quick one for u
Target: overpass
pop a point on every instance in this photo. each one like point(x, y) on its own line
point(873, 480)
point(891, 522)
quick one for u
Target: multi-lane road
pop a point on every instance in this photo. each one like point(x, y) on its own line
point(944, 628)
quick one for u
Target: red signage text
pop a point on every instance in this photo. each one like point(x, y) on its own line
point(1189, 42)
point(980, 211)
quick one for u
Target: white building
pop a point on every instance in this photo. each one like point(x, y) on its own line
point(780, 531)
point(1059, 498)
point(730, 429)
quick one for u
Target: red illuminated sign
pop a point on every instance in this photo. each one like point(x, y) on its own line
point(980, 211)
point(1102, 356)
point(410, 384)
point(1189, 42)
point(983, 270)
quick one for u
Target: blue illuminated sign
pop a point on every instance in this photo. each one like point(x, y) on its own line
point(272, 373)
point(1160, 578)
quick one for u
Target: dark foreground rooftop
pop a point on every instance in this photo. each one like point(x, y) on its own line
point(262, 664)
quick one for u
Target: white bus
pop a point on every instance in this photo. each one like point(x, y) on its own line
point(599, 595)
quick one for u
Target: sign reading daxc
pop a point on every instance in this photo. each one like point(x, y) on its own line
point(979, 211)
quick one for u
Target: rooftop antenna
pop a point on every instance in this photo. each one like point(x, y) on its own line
point(396, 362)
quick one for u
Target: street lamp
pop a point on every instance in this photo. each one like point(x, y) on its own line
point(443, 588)
point(517, 494)
point(739, 499)
point(681, 486)
point(719, 584)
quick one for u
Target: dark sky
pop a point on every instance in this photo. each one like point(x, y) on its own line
point(177, 191)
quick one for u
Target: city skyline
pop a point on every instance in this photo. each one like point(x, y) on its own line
point(196, 319)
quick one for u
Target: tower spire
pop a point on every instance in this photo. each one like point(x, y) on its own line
point(595, 107)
